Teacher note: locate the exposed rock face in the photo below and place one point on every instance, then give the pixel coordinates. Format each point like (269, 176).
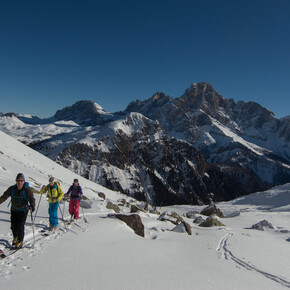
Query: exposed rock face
(133, 221)
(237, 134)
(159, 169)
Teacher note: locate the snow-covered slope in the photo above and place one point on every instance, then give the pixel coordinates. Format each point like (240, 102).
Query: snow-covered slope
(103, 253)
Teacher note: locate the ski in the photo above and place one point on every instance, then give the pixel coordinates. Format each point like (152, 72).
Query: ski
(11, 251)
(45, 234)
(2, 255)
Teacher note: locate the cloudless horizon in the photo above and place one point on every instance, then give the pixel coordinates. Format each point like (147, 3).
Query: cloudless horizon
(55, 53)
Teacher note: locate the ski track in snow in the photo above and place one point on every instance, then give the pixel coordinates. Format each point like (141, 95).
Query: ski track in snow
(225, 253)
(15, 257)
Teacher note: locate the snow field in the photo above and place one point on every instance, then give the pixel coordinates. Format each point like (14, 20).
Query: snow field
(106, 254)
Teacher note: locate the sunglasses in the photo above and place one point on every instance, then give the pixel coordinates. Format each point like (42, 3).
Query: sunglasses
(19, 180)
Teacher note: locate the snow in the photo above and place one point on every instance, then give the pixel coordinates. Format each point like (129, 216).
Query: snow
(104, 253)
(256, 149)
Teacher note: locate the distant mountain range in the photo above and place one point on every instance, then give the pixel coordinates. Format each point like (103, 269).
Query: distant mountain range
(193, 149)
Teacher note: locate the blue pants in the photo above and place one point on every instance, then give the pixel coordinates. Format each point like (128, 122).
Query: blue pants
(52, 211)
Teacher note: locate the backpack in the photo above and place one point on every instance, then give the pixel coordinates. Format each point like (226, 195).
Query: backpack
(19, 198)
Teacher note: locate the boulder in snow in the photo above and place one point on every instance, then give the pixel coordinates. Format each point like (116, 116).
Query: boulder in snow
(183, 227)
(102, 195)
(123, 202)
(154, 211)
(211, 222)
(112, 206)
(133, 221)
(261, 225)
(212, 209)
(171, 216)
(136, 208)
(198, 220)
(191, 214)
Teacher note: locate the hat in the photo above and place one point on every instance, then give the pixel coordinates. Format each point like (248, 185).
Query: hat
(20, 176)
(76, 180)
(51, 179)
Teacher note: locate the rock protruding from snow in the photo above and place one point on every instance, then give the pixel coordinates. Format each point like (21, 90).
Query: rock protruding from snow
(171, 217)
(112, 206)
(183, 227)
(102, 195)
(212, 222)
(191, 214)
(198, 220)
(135, 208)
(212, 209)
(133, 221)
(261, 225)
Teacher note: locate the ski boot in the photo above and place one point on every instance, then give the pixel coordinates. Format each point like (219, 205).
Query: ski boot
(19, 245)
(14, 242)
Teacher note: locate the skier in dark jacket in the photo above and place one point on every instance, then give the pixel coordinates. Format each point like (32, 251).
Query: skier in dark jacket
(76, 193)
(22, 201)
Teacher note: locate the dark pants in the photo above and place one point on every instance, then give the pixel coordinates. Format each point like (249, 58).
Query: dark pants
(18, 219)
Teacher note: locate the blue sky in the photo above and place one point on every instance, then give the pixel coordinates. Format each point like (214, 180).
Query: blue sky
(54, 53)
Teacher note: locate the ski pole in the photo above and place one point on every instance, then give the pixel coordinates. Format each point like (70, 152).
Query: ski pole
(63, 206)
(37, 207)
(32, 224)
(62, 217)
(85, 219)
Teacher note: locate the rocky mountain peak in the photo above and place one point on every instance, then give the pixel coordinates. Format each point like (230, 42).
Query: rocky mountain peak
(202, 96)
(10, 114)
(83, 112)
(201, 88)
(148, 106)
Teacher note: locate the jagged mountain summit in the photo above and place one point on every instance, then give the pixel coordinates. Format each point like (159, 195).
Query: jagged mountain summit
(238, 134)
(84, 113)
(192, 149)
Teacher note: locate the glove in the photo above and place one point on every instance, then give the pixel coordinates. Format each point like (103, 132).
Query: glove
(32, 208)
